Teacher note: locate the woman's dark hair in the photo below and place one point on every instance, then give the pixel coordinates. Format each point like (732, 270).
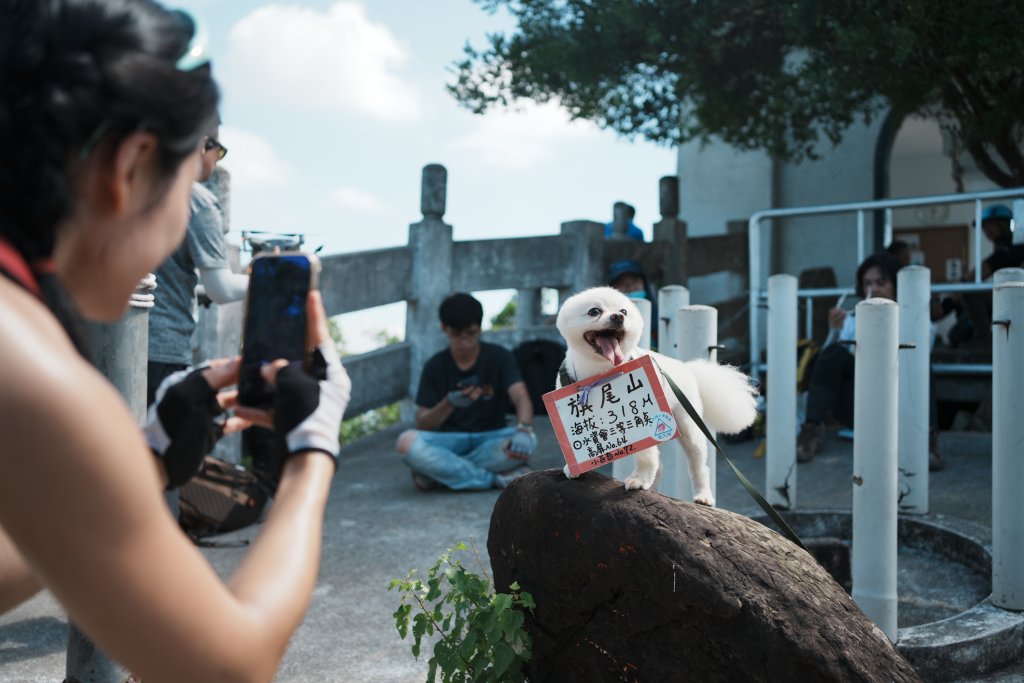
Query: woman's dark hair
(886, 263)
(460, 310)
(76, 78)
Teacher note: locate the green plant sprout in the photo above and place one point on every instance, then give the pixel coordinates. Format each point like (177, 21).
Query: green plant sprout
(480, 632)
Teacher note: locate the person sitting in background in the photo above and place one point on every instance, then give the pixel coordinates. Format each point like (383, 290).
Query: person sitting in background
(997, 224)
(974, 309)
(621, 211)
(461, 440)
(901, 251)
(830, 392)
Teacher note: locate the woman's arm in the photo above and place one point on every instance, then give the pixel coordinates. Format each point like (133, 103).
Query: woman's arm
(16, 581)
(81, 500)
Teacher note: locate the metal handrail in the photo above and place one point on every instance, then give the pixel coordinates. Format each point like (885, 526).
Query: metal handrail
(861, 209)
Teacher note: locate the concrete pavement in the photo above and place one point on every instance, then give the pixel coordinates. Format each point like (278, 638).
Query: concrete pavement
(378, 527)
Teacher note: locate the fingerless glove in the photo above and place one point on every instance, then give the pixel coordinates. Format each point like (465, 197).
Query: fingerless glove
(181, 425)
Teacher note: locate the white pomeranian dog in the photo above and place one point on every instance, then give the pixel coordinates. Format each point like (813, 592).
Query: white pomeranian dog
(601, 327)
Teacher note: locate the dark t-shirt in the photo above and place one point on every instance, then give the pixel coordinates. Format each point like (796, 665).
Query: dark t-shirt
(1006, 254)
(496, 371)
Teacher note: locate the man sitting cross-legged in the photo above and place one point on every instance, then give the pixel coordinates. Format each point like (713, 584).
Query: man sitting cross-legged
(461, 439)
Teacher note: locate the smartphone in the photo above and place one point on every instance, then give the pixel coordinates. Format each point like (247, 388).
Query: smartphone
(275, 319)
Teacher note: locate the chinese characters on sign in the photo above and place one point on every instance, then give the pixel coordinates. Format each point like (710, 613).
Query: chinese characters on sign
(606, 417)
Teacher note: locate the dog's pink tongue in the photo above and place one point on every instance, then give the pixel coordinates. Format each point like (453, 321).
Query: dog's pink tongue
(610, 350)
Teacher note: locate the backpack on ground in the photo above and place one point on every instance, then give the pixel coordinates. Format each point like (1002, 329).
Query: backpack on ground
(221, 497)
(538, 361)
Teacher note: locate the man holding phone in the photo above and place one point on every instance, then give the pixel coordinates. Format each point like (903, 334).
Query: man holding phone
(461, 439)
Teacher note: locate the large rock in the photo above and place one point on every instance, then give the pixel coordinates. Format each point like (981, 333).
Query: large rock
(635, 586)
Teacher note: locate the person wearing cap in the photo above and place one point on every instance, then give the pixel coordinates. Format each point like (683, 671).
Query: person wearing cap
(974, 309)
(997, 224)
(627, 276)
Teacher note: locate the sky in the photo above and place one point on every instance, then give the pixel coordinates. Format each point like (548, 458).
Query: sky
(331, 109)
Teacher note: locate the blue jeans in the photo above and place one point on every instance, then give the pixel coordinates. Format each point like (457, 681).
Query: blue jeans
(462, 461)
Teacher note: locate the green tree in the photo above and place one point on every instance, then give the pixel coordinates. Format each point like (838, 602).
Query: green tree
(784, 77)
(506, 317)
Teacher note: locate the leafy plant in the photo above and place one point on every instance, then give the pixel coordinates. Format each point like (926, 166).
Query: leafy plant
(370, 422)
(480, 635)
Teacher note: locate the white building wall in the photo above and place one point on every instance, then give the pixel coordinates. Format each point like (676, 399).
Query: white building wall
(845, 173)
(718, 184)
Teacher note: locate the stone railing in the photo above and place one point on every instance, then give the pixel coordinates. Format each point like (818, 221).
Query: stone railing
(433, 265)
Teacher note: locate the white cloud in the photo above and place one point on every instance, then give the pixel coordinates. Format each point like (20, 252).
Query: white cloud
(524, 138)
(336, 60)
(252, 161)
(355, 198)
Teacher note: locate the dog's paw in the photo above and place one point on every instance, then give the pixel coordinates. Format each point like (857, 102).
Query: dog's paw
(568, 475)
(705, 499)
(637, 482)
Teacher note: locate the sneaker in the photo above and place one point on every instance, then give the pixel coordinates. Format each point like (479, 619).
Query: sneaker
(935, 461)
(809, 441)
(423, 482)
(505, 478)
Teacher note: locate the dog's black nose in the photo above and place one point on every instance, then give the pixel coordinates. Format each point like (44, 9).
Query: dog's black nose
(616, 319)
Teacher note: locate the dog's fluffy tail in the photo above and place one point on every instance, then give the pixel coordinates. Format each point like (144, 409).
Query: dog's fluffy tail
(727, 394)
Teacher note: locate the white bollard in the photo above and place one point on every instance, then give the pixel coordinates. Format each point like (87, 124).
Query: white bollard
(1007, 436)
(645, 310)
(623, 467)
(780, 430)
(674, 477)
(875, 407)
(1004, 275)
(913, 295)
(697, 337)
(670, 299)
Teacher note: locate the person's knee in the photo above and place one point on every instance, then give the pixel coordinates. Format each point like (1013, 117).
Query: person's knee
(405, 441)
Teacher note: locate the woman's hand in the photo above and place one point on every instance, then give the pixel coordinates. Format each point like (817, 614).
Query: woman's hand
(183, 423)
(308, 404)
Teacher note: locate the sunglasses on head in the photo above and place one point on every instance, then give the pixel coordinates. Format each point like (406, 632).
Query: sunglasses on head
(211, 144)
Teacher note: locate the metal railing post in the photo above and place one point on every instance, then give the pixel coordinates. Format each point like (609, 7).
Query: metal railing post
(875, 462)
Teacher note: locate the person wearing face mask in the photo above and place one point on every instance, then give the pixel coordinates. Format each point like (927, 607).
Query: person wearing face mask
(627, 276)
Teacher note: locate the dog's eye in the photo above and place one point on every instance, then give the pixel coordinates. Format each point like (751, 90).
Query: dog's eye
(594, 312)
(622, 311)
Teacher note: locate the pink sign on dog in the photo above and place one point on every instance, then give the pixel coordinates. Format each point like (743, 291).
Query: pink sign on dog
(606, 417)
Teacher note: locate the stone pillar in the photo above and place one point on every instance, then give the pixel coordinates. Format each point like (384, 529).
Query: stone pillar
(527, 307)
(672, 231)
(586, 268)
(430, 244)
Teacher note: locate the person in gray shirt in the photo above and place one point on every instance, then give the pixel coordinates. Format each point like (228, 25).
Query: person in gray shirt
(201, 258)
